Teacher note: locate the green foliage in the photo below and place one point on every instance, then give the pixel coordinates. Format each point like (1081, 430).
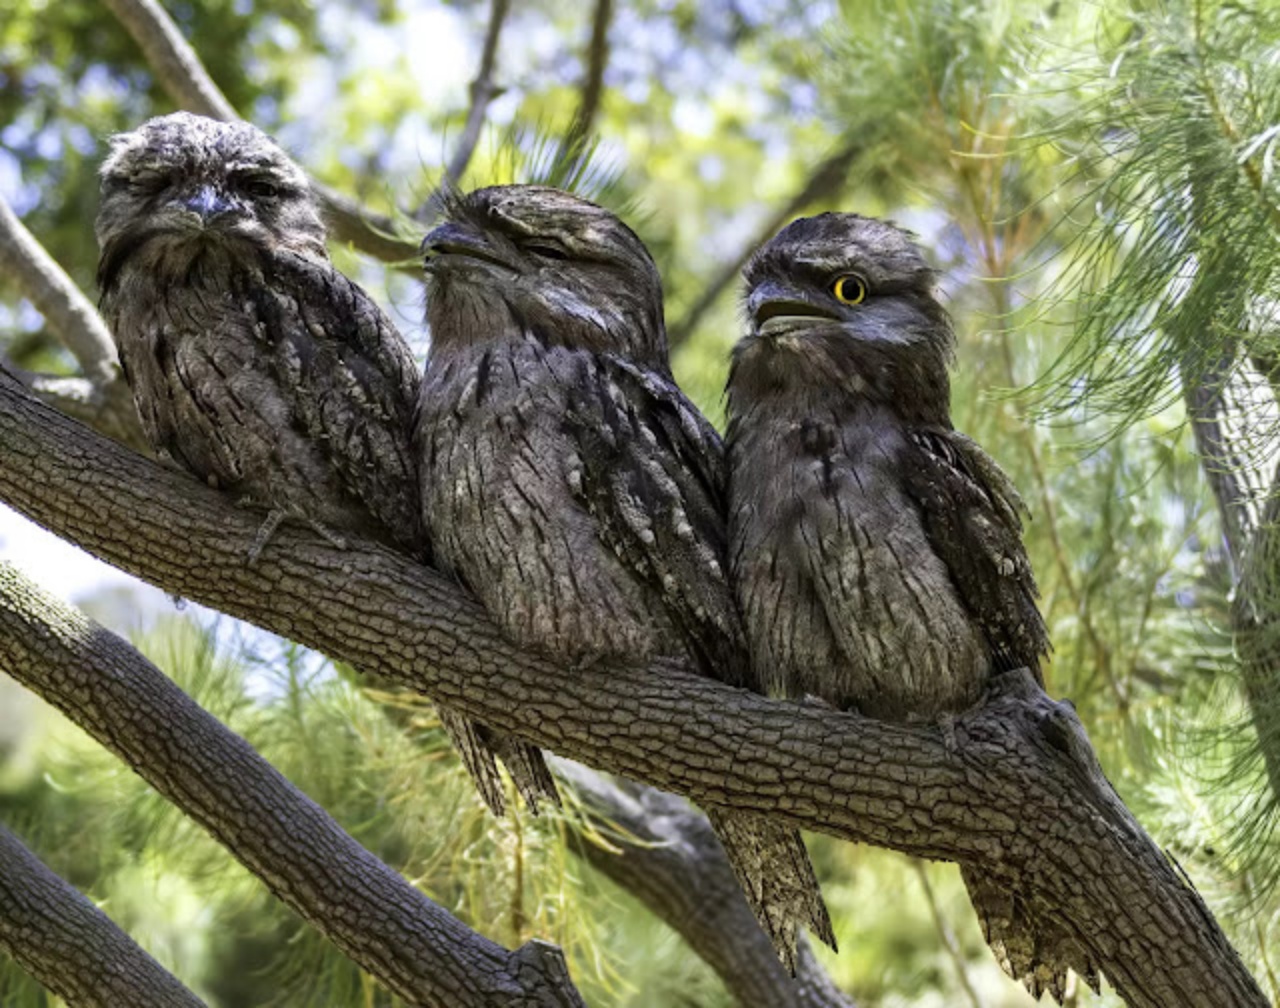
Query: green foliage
(1175, 267)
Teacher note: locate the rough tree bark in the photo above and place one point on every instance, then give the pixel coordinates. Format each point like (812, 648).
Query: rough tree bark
(1251, 531)
(414, 947)
(70, 946)
(1012, 786)
(665, 853)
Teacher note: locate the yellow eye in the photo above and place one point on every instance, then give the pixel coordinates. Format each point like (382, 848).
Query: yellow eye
(849, 289)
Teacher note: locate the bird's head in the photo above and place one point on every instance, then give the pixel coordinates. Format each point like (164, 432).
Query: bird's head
(840, 304)
(182, 184)
(531, 262)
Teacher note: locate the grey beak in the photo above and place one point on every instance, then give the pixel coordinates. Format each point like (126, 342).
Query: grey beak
(771, 298)
(454, 239)
(207, 202)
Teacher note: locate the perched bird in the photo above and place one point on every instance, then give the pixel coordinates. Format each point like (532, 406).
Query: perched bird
(875, 551)
(567, 481)
(252, 360)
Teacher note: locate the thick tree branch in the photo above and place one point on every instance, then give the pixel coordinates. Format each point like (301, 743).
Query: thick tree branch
(110, 411)
(664, 852)
(1251, 529)
(70, 946)
(188, 84)
(415, 948)
(826, 181)
(1221, 462)
(1012, 786)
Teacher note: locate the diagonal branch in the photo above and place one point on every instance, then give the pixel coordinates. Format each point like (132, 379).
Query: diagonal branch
(55, 296)
(414, 947)
(826, 181)
(69, 945)
(483, 91)
(584, 120)
(1012, 786)
(664, 852)
(187, 82)
(102, 396)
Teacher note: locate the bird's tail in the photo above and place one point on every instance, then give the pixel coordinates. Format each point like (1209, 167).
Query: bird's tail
(480, 748)
(1030, 947)
(777, 877)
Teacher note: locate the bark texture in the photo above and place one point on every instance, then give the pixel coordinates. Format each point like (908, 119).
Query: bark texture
(72, 947)
(415, 948)
(1012, 786)
(666, 854)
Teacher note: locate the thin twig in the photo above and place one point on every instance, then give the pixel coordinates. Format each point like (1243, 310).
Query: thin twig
(483, 91)
(100, 396)
(945, 934)
(592, 89)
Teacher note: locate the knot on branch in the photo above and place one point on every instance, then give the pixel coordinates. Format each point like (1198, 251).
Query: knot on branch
(540, 968)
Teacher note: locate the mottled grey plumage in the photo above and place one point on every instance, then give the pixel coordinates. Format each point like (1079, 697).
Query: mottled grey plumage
(569, 483)
(876, 552)
(253, 362)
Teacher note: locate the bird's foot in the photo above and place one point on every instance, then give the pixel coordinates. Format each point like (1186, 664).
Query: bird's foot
(329, 536)
(950, 739)
(265, 531)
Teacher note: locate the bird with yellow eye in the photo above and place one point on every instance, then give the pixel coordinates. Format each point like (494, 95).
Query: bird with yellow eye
(849, 289)
(876, 552)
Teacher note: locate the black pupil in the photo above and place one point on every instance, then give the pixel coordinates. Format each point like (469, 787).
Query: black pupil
(547, 251)
(262, 189)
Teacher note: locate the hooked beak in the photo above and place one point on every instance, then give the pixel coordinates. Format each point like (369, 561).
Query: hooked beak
(774, 307)
(452, 240)
(206, 203)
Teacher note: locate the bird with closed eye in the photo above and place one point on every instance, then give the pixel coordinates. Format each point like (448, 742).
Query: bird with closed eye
(253, 362)
(876, 552)
(569, 483)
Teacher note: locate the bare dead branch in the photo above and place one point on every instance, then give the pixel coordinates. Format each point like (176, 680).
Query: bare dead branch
(1011, 786)
(415, 948)
(187, 82)
(664, 852)
(55, 296)
(173, 61)
(482, 92)
(826, 182)
(102, 396)
(592, 89)
(70, 946)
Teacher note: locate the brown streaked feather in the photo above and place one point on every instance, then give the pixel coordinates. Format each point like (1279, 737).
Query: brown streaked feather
(970, 513)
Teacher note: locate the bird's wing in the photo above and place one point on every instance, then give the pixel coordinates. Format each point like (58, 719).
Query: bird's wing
(653, 476)
(971, 514)
(354, 378)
